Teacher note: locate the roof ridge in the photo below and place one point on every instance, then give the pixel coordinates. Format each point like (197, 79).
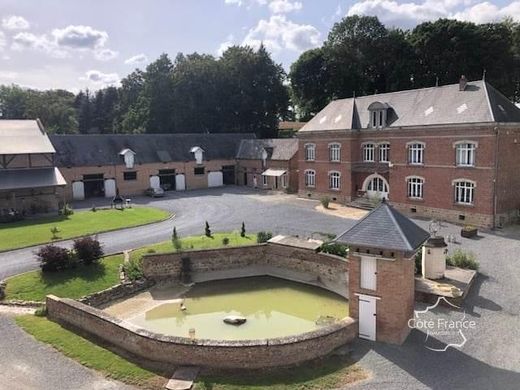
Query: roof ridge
(488, 101)
(391, 211)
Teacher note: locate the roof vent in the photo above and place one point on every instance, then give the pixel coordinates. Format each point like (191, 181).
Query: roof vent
(462, 83)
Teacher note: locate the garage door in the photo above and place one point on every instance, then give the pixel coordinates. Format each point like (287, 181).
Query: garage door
(215, 179)
(78, 190)
(180, 182)
(110, 188)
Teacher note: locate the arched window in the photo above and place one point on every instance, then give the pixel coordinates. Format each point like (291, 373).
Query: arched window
(310, 152)
(384, 152)
(415, 187)
(310, 178)
(335, 152)
(464, 191)
(465, 153)
(416, 152)
(334, 180)
(369, 152)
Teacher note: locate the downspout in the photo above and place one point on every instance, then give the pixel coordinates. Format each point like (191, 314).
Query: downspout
(495, 177)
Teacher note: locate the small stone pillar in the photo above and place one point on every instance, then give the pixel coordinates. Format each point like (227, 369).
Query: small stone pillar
(434, 258)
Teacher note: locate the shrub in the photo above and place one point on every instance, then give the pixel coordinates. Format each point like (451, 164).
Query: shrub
(175, 236)
(177, 244)
(133, 269)
(54, 231)
(462, 259)
(93, 208)
(88, 250)
(207, 230)
(263, 237)
(243, 230)
(53, 258)
(151, 250)
(225, 241)
(325, 202)
(334, 248)
(66, 210)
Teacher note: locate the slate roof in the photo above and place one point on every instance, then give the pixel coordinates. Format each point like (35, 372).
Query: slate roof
(385, 228)
(103, 149)
(30, 178)
(277, 148)
(478, 103)
(23, 136)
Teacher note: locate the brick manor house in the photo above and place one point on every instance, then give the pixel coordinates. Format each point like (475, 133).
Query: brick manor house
(450, 152)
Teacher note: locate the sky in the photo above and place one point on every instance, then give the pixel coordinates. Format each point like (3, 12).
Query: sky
(78, 44)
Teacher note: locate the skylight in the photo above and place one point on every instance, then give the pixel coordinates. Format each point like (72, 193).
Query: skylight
(322, 120)
(337, 119)
(462, 108)
(501, 108)
(428, 111)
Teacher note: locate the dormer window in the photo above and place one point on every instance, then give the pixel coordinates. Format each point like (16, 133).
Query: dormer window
(198, 153)
(129, 157)
(378, 114)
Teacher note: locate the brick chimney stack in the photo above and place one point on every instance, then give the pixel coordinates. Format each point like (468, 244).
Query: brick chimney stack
(462, 83)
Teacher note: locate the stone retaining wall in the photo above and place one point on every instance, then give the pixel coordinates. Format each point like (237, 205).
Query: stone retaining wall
(276, 352)
(116, 292)
(288, 262)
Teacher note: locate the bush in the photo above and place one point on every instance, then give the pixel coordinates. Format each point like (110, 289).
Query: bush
(54, 231)
(133, 269)
(225, 241)
(325, 202)
(462, 259)
(334, 248)
(66, 210)
(263, 237)
(88, 250)
(207, 230)
(53, 258)
(177, 244)
(243, 230)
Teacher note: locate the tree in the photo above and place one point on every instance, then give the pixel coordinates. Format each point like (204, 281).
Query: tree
(12, 102)
(83, 106)
(243, 230)
(207, 230)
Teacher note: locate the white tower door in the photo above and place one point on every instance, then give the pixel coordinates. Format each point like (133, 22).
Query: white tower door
(78, 190)
(369, 273)
(180, 182)
(367, 317)
(155, 182)
(215, 179)
(110, 188)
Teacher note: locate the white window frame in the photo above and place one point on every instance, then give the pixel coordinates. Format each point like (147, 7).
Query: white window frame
(264, 180)
(384, 152)
(416, 152)
(415, 187)
(377, 118)
(369, 152)
(465, 153)
(464, 191)
(334, 180)
(310, 178)
(335, 152)
(310, 152)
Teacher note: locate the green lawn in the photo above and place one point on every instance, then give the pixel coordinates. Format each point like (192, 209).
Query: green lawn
(88, 353)
(327, 374)
(72, 283)
(196, 242)
(38, 231)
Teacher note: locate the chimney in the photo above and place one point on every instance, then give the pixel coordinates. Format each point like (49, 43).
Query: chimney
(462, 83)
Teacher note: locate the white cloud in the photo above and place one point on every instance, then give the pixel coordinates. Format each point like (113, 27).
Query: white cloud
(26, 40)
(80, 37)
(3, 42)
(105, 54)
(284, 6)
(6, 75)
(278, 33)
(137, 59)
(409, 14)
(230, 41)
(14, 22)
(234, 2)
(100, 79)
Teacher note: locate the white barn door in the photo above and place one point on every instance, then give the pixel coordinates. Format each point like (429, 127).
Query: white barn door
(215, 179)
(155, 182)
(78, 190)
(110, 188)
(369, 273)
(367, 317)
(180, 182)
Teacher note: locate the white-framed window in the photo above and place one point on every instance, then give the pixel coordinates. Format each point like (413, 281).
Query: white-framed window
(416, 153)
(335, 152)
(384, 152)
(334, 180)
(415, 187)
(369, 152)
(310, 178)
(377, 118)
(464, 191)
(465, 154)
(264, 180)
(310, 152)
(284, 180)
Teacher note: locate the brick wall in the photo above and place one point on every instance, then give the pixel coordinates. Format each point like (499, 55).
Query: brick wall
(253, 168)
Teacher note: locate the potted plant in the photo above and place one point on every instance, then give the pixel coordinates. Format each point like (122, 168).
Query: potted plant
(469, 231)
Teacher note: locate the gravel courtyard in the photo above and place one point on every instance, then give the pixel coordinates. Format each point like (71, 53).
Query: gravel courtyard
(490, 358)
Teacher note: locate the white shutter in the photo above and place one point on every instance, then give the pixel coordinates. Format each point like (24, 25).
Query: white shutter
(369, 273)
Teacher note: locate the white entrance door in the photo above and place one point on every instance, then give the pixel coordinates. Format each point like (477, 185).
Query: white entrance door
(367, 317)
(369, 273)
(78, 190)
(215, 179)
(110, 188)
(180, 182)
(377, 187)
(155, 182)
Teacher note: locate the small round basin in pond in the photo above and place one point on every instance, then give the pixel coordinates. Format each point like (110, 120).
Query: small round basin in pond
(273, 308)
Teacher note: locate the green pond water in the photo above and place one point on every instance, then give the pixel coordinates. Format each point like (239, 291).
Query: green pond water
(273, 308)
